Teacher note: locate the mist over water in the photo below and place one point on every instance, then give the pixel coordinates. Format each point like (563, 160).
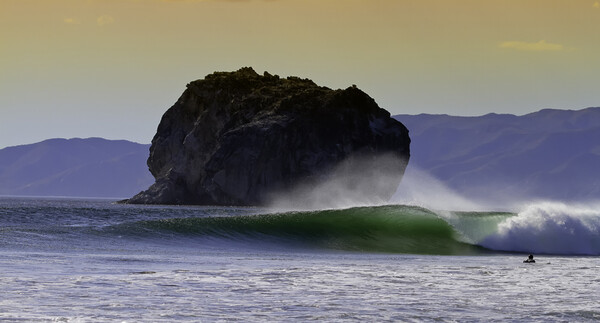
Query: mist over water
(361, 181)
(532, 226)
(357, 181)
(421, 189)
(517, 224)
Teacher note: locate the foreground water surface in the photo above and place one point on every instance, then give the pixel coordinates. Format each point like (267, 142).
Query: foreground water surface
(92, 260)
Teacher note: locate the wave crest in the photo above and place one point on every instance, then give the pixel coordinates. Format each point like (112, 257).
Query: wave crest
(550, 228)
(393, 228)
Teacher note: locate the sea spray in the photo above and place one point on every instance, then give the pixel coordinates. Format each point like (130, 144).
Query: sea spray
(422, 189)
(345, 186)
(550, 228)
(474, 226)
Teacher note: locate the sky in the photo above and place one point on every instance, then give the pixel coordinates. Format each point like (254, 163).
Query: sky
(111, 68)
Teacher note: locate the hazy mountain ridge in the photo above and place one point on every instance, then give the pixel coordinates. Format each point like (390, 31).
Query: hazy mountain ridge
(92, 167)
(546, 154)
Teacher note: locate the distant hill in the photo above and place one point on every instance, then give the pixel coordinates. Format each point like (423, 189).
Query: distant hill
(551, 154)
(92, 167)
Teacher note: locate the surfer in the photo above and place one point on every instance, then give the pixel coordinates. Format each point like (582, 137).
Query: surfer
(529, 259)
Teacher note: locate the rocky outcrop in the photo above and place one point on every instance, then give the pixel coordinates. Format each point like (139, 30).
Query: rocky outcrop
(240, 138)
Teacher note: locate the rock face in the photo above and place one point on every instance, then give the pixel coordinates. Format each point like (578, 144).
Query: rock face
(239, 138)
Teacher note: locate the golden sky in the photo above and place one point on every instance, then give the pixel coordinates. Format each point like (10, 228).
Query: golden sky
(110, 68)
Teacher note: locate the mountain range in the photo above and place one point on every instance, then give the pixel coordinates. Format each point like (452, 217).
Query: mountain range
(549, 154)
(91, 167)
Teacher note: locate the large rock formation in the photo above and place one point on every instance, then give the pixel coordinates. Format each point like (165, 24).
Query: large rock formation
(240, 138)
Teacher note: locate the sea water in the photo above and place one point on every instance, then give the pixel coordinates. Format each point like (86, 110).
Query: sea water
(66, 260)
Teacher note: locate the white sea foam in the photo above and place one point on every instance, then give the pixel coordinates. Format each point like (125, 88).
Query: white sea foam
(550, 227)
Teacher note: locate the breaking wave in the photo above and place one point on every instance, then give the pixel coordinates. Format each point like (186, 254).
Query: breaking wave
(549, 228)
(395, 229)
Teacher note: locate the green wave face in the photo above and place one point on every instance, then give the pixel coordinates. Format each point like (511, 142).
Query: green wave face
(389, 229)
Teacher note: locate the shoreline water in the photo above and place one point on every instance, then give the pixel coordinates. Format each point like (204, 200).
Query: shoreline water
(90, 260)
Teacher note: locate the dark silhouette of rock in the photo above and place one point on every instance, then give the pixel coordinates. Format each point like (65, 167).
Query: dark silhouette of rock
(240, 138)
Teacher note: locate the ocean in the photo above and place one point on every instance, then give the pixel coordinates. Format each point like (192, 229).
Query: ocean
(92, 260)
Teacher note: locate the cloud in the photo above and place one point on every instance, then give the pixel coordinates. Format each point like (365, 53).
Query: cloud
(540, 46)
(71, 21)
(105, 20)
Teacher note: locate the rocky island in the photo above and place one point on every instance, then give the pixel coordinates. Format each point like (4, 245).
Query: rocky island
(241, 138)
